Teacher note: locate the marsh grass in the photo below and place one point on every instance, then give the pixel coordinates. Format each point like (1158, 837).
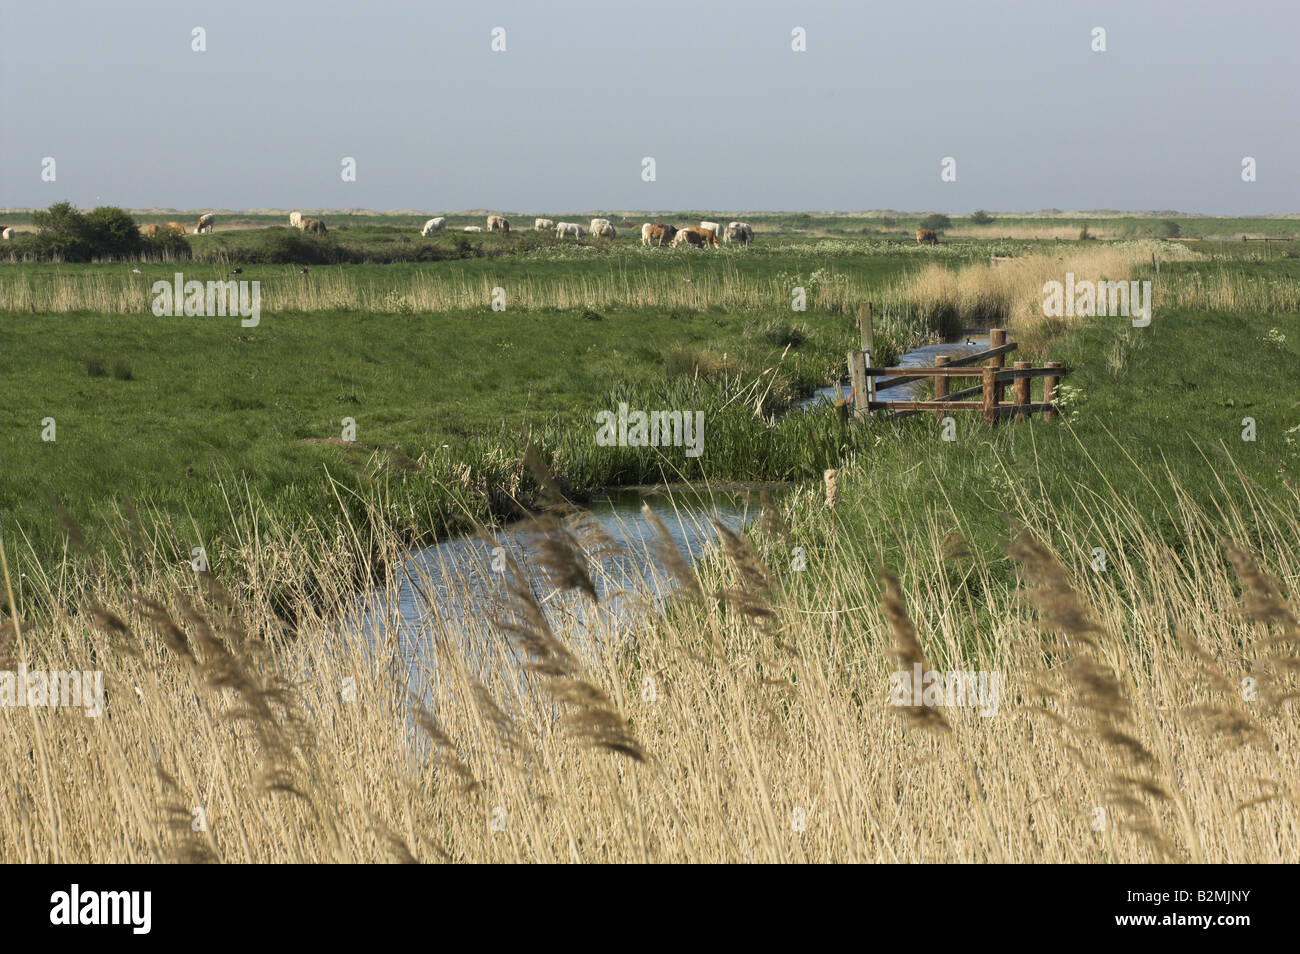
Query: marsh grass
(703, 733)
(1010, 292)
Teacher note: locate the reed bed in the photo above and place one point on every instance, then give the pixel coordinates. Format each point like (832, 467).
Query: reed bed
(1011, 291)
(748, 721)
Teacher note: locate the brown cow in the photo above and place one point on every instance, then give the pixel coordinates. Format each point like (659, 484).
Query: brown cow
(657, 234)
(313, 225)
(926, 236)
(152, 230)
(176, 227)
(698, 237)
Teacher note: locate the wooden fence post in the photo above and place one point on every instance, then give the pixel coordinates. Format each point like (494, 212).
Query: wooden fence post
(1049, 391)
(866, 326)
(940, 383)
(858, 380)
(990, 395)
(997, 338)
(1020, 392)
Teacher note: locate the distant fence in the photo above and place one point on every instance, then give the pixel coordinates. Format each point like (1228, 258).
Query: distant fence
(994, 377)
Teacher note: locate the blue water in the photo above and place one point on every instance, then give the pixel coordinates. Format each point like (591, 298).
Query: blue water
(916, 358)
(445, 596)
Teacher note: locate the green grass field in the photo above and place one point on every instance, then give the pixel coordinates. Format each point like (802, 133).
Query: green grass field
(192, 418)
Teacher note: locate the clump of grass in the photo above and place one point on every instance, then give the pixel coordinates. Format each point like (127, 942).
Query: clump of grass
(122, 370)
(782, 334)
(95, 367)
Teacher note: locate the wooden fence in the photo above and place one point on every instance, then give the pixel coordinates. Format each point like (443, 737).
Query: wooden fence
(994, 377)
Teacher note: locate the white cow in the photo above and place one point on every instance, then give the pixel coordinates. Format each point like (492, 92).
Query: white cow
(569, 228)
(604, 231)
(7, 234)
(498, 223)
(541, 225)
(295, 219)
(738, 232)
(473, 228)
(598, 226)
(206, 223)
(434, 225)
(712, 227)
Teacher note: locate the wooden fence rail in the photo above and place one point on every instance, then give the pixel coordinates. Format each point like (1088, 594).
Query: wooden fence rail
(994, 377)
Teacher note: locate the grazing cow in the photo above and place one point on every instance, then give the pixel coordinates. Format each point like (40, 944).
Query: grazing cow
(498, 223)
(434, 225)
(569, 228)
(738, 232)
(205, 223)
(926, 236)
(295, 219)
(6, 234)
(743, 227)
(657, 233)
(713, 227)
(605, 231)
(541, 225)
(152, 230)
(598, 226)
(176, 227)
(700, 237)
(473, 228)
(314, 225)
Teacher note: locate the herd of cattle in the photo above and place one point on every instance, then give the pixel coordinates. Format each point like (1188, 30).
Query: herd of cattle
(652, 233)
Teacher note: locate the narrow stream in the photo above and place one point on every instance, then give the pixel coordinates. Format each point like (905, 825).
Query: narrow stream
(451, 590)
(958, 347)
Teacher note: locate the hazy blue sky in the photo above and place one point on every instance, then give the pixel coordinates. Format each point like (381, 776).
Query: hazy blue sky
(735, 119)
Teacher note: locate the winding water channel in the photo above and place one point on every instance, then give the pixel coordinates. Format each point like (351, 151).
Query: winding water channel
(449, 591)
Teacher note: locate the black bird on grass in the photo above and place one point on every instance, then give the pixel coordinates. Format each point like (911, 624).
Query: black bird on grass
(302, 271)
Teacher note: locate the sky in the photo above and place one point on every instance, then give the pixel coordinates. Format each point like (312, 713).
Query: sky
(734, 117)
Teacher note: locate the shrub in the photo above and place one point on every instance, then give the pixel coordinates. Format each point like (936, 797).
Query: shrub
(1170, 229)
(69, 234)
(1084, 234)
(980, 217)
(113, 232)
(936, 222)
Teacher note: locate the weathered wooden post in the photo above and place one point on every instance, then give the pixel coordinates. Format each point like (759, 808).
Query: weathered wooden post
(867, 330)
(1020, 392)
(990, 395)
(1049, 391)
(940, 383)
(997, 338)
(866, 327)
(858, 380)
